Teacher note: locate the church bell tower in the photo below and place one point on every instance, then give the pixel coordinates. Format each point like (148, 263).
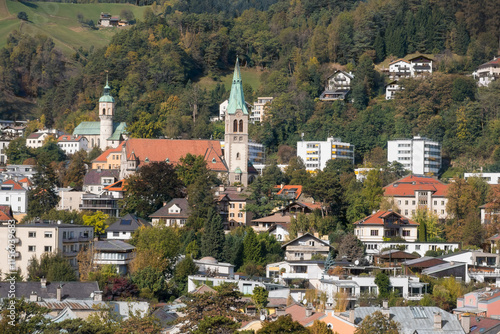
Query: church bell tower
(106, 112)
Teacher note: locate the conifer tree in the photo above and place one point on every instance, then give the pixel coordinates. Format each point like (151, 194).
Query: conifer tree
(213, 239)
(251, 248)
(42, 197)
(379, 46)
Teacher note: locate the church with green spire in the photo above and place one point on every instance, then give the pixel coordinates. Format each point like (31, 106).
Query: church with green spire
(236, 132)
(105, 133)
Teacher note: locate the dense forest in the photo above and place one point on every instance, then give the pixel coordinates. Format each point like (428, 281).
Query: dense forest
(154, 66)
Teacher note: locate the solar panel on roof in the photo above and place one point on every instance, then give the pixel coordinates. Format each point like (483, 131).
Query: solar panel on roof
(125, 222)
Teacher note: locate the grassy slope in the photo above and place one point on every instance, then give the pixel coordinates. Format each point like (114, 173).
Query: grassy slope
(58, 20)
(249, 76)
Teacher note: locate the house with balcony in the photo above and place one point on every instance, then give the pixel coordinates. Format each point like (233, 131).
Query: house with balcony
(260, 108)
(305, 247)
(231, 204)
(484, 302)
(115, 252)
(400, 69)
(174, 213)
(35, 239)
(385, 224)
(414, 192)
(373, 248)
(124, 227)
(96, 179)
(210, 266)
(104, 202)
(420, 65)
(287, 271)
(245, 285)
(391, 89)
(316, 154)
(284, 215)
(337, 87)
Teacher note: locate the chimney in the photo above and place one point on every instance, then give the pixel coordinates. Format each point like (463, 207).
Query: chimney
(385, 304)
(33, 297)
(43, 282)
(437, 321)
(316, 234)
(238, 189)
(280, 311)
(465, 322)
(299, 234)
(221, 188)
(59, 293)
(309, 311)
(352, 317)
(98, 296)
(385, 309)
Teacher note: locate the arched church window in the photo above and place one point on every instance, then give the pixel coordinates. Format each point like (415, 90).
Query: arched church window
(241, 125)
(103, 111)
(92, 142)
(238, 156)
(99, 142)
(235, 126)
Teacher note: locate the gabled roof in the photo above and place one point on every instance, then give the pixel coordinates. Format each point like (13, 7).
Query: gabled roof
(172, 150)
(69, 138)
(420, 261)
(289, 190)
(407, 186)
(378, 218)
(129, 223)
(492, 63)
(298, 313)
(16, 186)
(307, 235)
(340, 71)
(284, 226)
(93, 176)
(274, 218)
(397, 61)
(494, 238)
(395, 254)
(35, 135)
(420, 57)
(103, 157)
(182, 203)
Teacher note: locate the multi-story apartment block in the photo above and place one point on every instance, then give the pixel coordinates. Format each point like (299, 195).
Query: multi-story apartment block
(256, 153)
(337, 86)
(488, 72)
(231, 204)
(315, 154)
(72, 144)
(35, 239)
(259, 109)
(18, 172)
(418, 192)
(420, 155)
(490, 178)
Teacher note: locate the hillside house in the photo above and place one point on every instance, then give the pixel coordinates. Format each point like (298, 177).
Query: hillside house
(385, 224)
(305, 246)
(338, 85)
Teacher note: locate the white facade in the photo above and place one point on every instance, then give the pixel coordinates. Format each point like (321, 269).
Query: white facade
(400, 69)
(259, 109)
(4, 144)
(420, 65)
(391, 90)
(281, 234)
(488, 72)
(222, 109)
(420, 155)
(374, 247)
(36, 140)
(310, 270)
(14, 195)
(490, 178)
(244, 286)
(72, 145)
(315, 154)
(69, 199)
(209, 264)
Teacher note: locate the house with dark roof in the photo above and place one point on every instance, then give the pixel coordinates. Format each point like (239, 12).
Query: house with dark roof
(115, 252)
(231, 204)
(305, 246)
(414, 192)
(417, 265)
(385, 224)
(447, 269)
(36, 139)
(488, 72)
(125, 226)
(174, 213)
(284, 215)
(96, 179)
(337, 87)
(393, 257)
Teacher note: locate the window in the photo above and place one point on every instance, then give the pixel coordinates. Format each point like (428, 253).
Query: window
(406, 202)
(116, 234)
(48, 234)
(374, 232)
(237, 177)
(417, 247)
(31, 248)
(406, 212)
(311, 243)
(47, 249)
(406, 233)
(442, 202)
(235, 126)
(299, 254)
(231, 205)
(399, 202)
(31, 234)
(435, 202)
(231, 215)
(240, 215)
(241, 125)
(412, 202)
(442, 212)
(241, 205)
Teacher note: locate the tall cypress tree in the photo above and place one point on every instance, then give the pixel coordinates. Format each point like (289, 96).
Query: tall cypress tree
(213, 238)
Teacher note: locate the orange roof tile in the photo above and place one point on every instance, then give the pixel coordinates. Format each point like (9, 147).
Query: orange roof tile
(298, 313)
(411, 183)
(5, 217)
(117, 186)
(69, 138)
(104, 155)
(174, 149)
(17, 186)
(292, 189)
(378, 218)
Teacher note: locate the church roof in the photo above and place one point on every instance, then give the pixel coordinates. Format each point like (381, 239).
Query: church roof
(94, 128)
(236, 97)
(106, 97)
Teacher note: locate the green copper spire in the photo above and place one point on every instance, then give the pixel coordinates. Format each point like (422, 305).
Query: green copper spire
(236, 98)
(106, 97)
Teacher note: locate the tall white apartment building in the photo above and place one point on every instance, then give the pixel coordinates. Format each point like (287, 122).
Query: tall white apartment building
(259, 109)
(315, 154)
(420, 155)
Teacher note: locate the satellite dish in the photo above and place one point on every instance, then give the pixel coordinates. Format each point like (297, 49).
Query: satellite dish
(262, 317)
(356, 262)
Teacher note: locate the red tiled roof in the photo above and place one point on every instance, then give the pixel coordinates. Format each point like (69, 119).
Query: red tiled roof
(17, 186)
(175, 149)
(69, 138)
(312, 206)
(480, 324)
(298, 313)
(411, 183)
(495, 237)
(104, 155)
(493, 63)
(5, 217)
(293, 189)
(378, 218)
(35, 135)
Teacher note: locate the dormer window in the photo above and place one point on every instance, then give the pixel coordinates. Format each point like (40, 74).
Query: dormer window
(213, 160)
(147, 159)
(167, 160)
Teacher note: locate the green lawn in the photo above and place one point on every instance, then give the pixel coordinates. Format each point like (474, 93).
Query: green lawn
(249, 76)
(59, 21)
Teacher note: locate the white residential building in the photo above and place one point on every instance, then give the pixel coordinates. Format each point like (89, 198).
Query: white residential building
(391, 89)
(69, 199)
(4, 144)
(385, 224)
(14, 194)
(36, 139)
(337, 87)
(315, 154)
(72, 144)
(375, 247)
(35, 239)
(420, 155)
(210, 265)
(399, 69)
(245, 286)
(420, 65)
(259, 109)
(490, 178)
(488, 72)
